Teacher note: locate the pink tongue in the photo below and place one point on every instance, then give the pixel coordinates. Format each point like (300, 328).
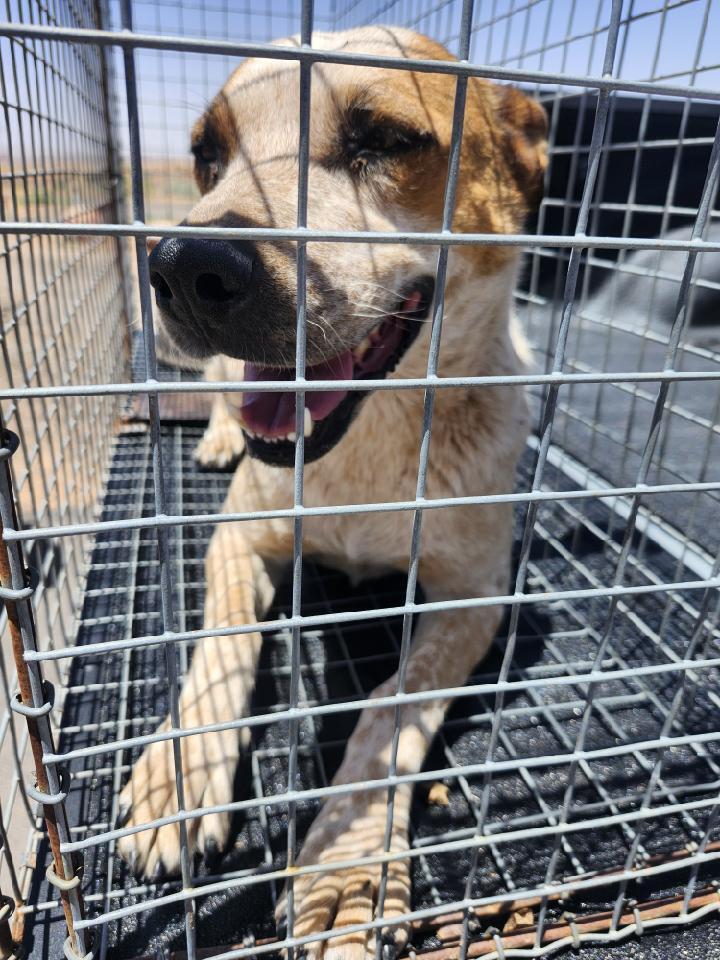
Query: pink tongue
(273, 414)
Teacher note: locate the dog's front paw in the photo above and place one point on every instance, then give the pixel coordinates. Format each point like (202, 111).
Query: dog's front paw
(209, 764)
(347, 828)
(222, 444)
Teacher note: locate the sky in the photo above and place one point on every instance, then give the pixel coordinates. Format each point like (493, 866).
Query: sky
(659, 39)
(550, 35)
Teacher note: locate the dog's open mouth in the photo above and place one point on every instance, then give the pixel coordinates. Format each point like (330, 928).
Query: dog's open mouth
(268, 418)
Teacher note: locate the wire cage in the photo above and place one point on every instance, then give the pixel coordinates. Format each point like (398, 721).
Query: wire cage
(571, 797)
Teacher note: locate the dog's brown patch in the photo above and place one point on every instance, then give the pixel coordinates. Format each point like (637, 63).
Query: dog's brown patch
(213, 141)
(503, 153)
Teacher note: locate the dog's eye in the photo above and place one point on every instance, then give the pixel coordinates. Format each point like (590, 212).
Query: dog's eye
(371, 140)
(207, 162)
(204, 152)
(378, 140)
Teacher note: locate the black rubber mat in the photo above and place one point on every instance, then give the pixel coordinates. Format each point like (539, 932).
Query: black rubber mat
(574, 548)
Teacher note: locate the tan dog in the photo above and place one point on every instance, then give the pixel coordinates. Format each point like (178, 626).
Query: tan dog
(378, 158)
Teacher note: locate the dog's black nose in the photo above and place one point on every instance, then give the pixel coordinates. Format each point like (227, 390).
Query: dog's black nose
(203, 276)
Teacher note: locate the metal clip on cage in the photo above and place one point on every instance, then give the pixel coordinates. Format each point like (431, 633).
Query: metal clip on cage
(34, 702)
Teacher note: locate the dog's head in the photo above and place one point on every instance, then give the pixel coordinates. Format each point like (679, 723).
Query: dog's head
(379, 146)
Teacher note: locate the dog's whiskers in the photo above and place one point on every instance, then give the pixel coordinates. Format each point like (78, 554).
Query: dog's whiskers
(373, 285)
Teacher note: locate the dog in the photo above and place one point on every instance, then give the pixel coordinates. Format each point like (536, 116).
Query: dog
(379, 147)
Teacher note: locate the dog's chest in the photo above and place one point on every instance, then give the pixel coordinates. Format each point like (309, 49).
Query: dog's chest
(361, 545)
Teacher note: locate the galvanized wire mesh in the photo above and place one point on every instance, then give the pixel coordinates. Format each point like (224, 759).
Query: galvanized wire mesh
(597, 713)
(63, 321)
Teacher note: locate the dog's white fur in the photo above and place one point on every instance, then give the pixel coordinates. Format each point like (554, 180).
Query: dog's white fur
(477, 437)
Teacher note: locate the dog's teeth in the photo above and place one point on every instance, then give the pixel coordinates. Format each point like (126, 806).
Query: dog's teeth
(307, 423)
(292, 437)
(362, 348)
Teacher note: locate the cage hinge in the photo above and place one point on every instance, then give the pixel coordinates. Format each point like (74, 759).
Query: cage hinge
(32, 579)
(50, 799)
(72, 954)
(61, 883)
(9, 949)
(23, 633)
(11, 442)
(28, 710)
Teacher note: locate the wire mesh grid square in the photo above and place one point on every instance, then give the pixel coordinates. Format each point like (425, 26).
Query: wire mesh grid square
(587, 785)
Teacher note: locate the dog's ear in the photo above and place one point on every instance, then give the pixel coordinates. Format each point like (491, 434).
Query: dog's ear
(524, 127)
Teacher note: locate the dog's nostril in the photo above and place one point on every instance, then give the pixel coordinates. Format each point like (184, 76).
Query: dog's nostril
(209, 286)
(161, 285)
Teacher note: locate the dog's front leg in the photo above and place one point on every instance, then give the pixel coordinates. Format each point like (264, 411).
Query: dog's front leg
(445, 648)
(223, 443)
(217, 689)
